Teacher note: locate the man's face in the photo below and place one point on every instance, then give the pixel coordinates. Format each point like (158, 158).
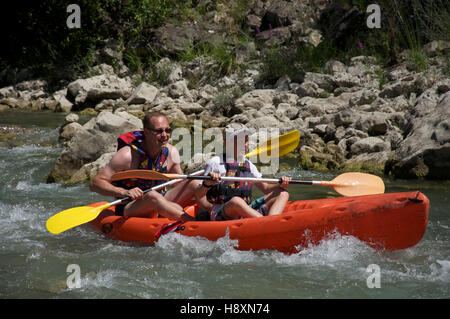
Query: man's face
(159, 133)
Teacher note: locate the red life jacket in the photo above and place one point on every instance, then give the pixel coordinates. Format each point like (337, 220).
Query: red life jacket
(224, 191)
(135, 139)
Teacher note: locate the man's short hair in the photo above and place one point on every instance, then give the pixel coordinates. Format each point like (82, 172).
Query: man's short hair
(147, 121)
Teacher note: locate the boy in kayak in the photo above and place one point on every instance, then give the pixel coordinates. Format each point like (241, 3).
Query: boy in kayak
(232, 200)
(147, 149)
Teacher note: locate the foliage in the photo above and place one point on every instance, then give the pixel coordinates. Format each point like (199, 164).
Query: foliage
(278, 62)
(38, 39)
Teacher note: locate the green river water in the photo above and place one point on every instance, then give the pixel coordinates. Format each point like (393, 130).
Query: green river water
(34, 263)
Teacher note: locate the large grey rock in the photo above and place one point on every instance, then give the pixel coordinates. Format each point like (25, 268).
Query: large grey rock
(173, 39)
(90, 91)
(95, 138)
(7, 92)
(68, 131)
(373, 123)
(255, 99)
(425, 152)
(168, 72)
(144, 93)
(369, 145)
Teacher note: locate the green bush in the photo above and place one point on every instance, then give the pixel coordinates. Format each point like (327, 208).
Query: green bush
(38, 37)
(278, 62)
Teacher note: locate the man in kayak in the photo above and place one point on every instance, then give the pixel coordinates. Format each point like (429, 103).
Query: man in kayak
(232, 200)
(147, 149)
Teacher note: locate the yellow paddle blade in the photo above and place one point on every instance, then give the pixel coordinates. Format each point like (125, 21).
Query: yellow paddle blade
(285, 144)
(356, 184)
(73, 217)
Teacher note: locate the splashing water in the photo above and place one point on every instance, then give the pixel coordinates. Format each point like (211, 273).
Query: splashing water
(34, 263)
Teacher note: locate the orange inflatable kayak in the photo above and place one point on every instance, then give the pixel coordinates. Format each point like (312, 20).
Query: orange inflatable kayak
(386, 221)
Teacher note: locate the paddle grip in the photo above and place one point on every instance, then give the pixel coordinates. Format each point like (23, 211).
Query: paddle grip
(206, 177)
(294, 181)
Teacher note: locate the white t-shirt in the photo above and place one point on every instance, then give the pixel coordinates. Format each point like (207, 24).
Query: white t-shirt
(216, 165)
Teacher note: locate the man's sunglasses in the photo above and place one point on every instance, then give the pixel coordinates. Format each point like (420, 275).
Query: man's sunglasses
(160, 131)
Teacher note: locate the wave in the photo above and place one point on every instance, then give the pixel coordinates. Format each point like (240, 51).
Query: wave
(334, 248)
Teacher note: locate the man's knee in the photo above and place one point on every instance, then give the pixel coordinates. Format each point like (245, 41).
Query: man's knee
(284, 194)
(153, 196)
(236, 202)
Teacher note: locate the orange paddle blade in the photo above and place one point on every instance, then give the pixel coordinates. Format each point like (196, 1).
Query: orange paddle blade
(144, 174)
(355, 184)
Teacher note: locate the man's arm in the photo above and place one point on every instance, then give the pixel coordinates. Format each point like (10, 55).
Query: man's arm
(101, 183)
(173, 166)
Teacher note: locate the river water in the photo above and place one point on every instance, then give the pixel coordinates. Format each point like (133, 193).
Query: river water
(37, 264)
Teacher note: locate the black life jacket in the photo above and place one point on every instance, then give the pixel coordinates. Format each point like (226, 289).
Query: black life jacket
(224, 191)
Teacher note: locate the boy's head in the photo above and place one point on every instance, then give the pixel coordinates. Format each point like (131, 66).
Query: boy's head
(236, 143)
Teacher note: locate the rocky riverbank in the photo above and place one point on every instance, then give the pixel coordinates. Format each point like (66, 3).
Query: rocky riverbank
(353, 116)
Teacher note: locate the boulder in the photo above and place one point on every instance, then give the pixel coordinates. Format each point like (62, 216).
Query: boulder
(369, 145)
(279, 14)
(425, 152)
(286, 111)
(343, 79)
(373, 123)
(89, 170)
(88, 92)
(412, 83)
(72, 117)
(344, 118)
(180, 89)
(255, 99)
(7, 92)
(32, 85)
(334, 67)
(323, 81)
(372, 163)
(308, 88)
(168, 72)
(62, 103)
(67, 131)
(143, 94)
(95, 138)
(172, 39)
(266, 121)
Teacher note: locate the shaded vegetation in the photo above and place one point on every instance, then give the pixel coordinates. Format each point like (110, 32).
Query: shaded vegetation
(39, 40)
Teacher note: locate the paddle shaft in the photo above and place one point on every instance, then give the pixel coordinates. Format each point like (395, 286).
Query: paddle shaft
(255, 179)
(155, 188)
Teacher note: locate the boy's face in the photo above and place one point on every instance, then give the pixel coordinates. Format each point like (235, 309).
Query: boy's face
(236, 146)
(240, 146)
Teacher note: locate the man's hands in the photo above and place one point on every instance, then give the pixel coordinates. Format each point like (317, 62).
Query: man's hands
(134, 193)
(214, 181)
